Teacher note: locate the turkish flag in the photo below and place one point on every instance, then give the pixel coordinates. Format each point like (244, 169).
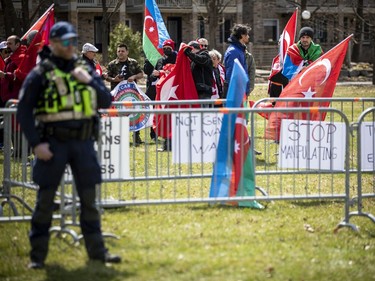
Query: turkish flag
(39, 23)
(318, 80)
(41, 38)
(177, 85)
(285, 41)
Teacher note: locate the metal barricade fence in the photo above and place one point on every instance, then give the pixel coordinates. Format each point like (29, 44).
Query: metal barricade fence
(160, 177)
(365, 160)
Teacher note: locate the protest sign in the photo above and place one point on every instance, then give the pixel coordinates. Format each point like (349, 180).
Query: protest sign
(195, 137)
(367, 146)
(114, 149)
(130, 92)
(312, 145)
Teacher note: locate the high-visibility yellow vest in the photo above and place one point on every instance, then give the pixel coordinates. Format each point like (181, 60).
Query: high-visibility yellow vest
(65, 99)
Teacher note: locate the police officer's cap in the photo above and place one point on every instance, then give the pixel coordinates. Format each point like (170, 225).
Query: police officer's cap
(62, 30)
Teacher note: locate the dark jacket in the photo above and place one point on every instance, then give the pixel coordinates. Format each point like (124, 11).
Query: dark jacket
(236, 50)
(201, 67)
(33, 89)
(91, 63)
(148, 68)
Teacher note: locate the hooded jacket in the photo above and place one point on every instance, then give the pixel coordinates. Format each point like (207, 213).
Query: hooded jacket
(236, 50)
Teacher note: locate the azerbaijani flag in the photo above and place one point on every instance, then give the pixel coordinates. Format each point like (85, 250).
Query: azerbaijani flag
(234, 173)
(154, 32)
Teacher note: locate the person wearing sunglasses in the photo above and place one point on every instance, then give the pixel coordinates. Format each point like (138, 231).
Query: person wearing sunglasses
(62, 95)
(9, 84)
(4, 53)
(203, 42)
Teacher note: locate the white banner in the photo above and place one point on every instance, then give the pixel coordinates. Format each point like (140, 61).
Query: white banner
(367, 146)
(312, 145)
(114, 158)
(195, 137)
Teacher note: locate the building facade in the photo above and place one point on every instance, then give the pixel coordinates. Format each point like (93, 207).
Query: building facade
(187, 20)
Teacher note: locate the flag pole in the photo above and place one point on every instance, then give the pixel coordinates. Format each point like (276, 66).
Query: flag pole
(45, 13)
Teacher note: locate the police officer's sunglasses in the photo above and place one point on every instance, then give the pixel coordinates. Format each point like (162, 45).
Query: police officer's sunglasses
(69, 42)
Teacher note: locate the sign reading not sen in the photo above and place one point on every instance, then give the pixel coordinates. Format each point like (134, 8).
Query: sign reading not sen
(195, 137)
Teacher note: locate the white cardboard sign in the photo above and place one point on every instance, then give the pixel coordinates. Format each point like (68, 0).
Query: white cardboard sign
(195, 137)
(114, 157)
(312, 145)
(367, 146)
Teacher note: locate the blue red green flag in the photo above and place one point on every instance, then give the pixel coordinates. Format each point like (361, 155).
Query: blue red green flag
(154, 32)
(234, 171)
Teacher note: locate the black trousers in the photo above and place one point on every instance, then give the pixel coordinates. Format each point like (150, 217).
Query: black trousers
(47, 174)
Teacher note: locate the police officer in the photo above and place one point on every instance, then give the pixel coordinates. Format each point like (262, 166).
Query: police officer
(57, 110)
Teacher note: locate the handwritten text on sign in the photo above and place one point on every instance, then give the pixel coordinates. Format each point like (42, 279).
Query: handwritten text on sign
(367, 146)
(312, 145)
(114, 156)
(195, 137)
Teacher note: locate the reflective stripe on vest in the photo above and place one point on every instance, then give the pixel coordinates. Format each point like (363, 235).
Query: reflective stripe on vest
(65, 99)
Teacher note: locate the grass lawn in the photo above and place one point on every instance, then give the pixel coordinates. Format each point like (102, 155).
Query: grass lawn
(289, 240)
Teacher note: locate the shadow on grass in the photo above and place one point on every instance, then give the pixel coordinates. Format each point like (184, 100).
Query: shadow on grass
(222, 207)
(93, 271)
(314, 203)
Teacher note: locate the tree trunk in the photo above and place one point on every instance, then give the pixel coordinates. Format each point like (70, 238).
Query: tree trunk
(213, 18)
(12, 25)
(25, 16)
(358, 34)
(105, 31)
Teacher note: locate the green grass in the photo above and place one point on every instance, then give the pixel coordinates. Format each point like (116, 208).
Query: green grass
(289, 240)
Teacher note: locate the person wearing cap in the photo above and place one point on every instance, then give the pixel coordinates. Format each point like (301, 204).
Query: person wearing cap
(236, 50)
(301, 54)
(4, 53)
(201, 68)
(62, 95)
(88, 54)
(153, 75)
(10, 85)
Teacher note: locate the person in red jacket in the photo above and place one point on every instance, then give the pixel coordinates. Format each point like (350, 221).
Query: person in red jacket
(9, 84)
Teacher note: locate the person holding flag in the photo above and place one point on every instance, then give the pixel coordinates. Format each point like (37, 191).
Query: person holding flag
(9, 84)
(155, 73)
(301, 54)
(201, 68)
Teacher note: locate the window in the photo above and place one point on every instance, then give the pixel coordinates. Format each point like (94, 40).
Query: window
(225, 30)
(98, 33)
(128, 23)
(320, 35)
(200, 27)
(270, 30)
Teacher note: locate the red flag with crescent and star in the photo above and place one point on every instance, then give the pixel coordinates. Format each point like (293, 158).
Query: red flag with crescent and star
(285, 41)
(177, 85)
(318, 80)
